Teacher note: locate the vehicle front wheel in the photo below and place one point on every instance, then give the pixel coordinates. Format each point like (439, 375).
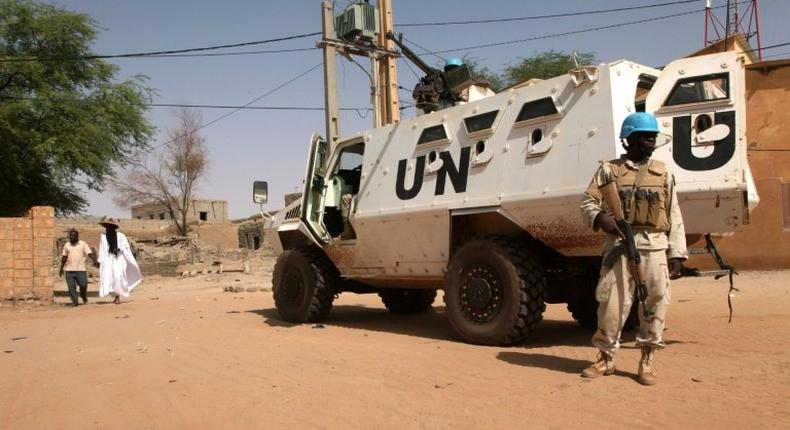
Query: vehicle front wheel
(304, 283)
(494, 291)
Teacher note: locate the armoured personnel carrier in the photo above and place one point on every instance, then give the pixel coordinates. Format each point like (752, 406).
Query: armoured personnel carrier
(481, 199)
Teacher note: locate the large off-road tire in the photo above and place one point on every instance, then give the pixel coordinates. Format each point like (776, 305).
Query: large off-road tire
(585, 312)
(407, 301)
(304, 284)
(494, 291)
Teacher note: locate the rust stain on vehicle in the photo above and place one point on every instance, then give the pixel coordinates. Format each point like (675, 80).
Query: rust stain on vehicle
(565, 236)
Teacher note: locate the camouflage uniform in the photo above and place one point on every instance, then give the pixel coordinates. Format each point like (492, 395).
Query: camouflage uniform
(663, 239)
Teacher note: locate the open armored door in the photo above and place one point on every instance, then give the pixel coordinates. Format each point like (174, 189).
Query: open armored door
(315, 188)
(700, 102)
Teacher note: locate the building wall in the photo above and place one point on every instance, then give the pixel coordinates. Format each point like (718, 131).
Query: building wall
(251, 234)
(26, 255)
(222, 236)
(215, 211)
(765, 242)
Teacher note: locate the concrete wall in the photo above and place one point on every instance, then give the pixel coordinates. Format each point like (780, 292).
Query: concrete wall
(26, 255)
(765, 242)
(214, 211)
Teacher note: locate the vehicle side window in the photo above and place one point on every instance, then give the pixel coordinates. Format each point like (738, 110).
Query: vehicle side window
(433, 134)
(349, 166)
(536, 109)
(700, 89)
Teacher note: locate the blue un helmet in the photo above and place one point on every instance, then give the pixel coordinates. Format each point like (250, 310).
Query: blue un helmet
(639, 121)
(452, 63)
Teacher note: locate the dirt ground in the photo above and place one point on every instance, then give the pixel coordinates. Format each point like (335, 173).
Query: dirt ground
(185, 354)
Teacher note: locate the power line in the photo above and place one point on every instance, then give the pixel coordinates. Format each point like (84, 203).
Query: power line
(173, 53)
(159, 53)
(778, 45)
(227, 54)
(205, 106)
(567, 33)
(221, 117)
(537, 17)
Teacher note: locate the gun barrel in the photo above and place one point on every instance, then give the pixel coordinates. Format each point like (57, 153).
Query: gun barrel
(428, 70)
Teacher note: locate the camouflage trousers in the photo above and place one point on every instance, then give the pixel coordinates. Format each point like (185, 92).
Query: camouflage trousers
(615, 294)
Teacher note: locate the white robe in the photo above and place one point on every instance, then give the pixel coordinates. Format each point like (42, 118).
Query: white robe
(118, 274)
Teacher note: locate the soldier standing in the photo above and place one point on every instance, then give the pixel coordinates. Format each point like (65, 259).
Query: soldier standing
(649, 201)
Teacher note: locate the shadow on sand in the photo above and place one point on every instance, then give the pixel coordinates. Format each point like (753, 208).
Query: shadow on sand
(432, 325)
(552, 362)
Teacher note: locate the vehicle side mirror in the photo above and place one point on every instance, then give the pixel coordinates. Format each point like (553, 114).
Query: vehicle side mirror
(260, 192)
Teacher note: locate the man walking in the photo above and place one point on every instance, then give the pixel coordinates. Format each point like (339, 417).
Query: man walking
(72, 260)
(119, 273)
(648, 198)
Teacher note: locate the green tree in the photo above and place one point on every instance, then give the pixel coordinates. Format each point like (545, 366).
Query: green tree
(544, 65)
(480, 71)
(64, 122)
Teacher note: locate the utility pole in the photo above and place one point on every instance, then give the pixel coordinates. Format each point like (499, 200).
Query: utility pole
(389, 104)
(383, 74)
(330, 75)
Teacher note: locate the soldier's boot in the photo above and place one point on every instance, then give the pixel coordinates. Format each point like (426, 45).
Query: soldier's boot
(603, 367)
(647, 375)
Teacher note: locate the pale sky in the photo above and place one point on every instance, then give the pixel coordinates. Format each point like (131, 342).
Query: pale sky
(271, 145)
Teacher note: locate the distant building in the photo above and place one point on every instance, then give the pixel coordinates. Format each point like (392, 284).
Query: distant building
(212, 211)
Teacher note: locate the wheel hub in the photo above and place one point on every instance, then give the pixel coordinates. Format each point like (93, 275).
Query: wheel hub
(293, 287)
(481, 294)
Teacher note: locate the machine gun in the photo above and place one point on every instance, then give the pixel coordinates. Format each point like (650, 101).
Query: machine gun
(608, 188)
(437, 89)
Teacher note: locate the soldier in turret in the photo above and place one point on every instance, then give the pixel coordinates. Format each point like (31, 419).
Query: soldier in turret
(649, 202)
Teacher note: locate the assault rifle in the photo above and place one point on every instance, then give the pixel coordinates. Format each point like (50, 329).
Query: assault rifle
(608, 188)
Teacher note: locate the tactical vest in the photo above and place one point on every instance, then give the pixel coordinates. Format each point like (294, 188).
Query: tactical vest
(645, 204)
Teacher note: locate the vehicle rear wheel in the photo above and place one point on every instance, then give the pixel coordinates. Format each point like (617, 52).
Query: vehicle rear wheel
(494, 291)
(407, 301)
(304, 283)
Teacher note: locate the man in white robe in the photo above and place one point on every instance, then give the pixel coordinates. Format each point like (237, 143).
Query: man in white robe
(119, 273)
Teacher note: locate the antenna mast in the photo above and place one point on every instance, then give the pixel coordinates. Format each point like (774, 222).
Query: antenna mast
(746, 23)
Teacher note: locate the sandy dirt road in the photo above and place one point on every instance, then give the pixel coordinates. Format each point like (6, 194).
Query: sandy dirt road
(184, 354)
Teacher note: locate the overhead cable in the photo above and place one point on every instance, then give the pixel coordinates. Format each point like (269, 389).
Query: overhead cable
(256, 99)
(174, 53)
(537, 17)
(159, 53)
(567, 33)
(203, 106)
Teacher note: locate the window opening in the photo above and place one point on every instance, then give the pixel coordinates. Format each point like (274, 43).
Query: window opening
(700, 89)
(536, 109)
(203, 216)
(432, 134)
(643, 87)
(481, 122)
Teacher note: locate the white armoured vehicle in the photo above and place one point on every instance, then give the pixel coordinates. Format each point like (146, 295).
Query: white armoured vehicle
(482, 199)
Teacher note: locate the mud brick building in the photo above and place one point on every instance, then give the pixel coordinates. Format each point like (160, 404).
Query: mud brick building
(211, 211)
(26, 256)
